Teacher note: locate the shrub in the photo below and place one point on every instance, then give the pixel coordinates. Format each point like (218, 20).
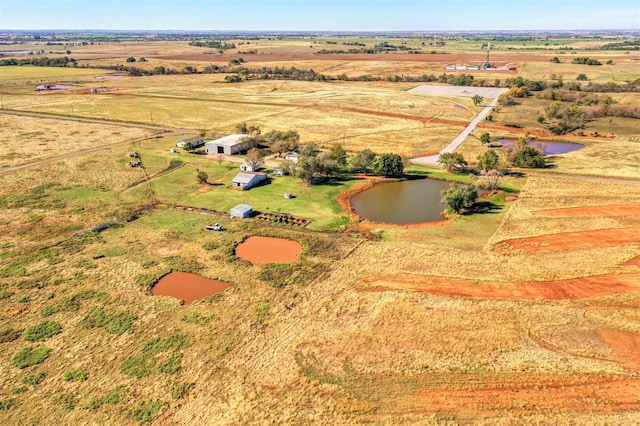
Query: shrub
(9, 335)
(277, 274)
(147, 410)
(117, 395)
(138, 366)
(196, 318)
(93, 404)
(77, 375)
(8, 403)
(68, 401)
(34, 379)
(181, 390)
(42, 331)
(111, 322)
(172, 364)
(30, 356)
(19, 390)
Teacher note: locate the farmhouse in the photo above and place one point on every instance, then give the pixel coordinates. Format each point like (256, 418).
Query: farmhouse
(246, 181)
(229, 145)
(195, 141)
(242, 211)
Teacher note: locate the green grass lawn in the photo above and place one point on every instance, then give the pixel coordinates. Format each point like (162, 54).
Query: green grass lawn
(317, 203)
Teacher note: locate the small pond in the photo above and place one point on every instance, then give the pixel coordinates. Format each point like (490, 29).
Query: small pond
(401, 203)
(548, 148)
(269, 250)
(188, 287)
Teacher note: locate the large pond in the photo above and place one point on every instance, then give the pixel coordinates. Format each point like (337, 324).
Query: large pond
(267, 250)
(401, 203)
(188, 287)
(547, 147)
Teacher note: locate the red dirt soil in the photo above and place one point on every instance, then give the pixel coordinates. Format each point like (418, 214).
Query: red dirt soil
(268, 250)
(188, 287)
(626, 344)
(633, 262)
(602, 211)
(575, 240)
(517, 394)
(570, 289)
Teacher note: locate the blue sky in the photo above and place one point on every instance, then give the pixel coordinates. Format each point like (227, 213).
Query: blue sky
(319, 15)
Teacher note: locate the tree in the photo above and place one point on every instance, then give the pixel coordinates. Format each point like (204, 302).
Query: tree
(339, 155)
(189, 147)
(452, 161)
(131, 59)
(389, 165)
(326, 164)
(254, 158)
(488, 160)
(477, 100)
(490, 179)
(459, 197)
(363, 160)
(202, 177)
(582, 77)
(485, 138)
(524, 155)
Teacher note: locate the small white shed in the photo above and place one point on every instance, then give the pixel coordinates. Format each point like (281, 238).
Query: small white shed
(242, 211)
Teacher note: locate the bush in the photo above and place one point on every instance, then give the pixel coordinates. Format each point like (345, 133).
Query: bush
(181, 390)
(34, 379)
(78, 375)
(277, 274)
(111, 322)
(30, 356)
(42, 331)
(68, 401)
(9, 335)
(147, 410)
(8, 403)
(117, 395)
(138, 366)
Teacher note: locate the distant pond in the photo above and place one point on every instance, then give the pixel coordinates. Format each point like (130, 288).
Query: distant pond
(547, 147)
(401, 203)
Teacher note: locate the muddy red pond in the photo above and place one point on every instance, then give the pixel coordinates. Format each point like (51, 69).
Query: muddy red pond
(188, 287)
(269, 250)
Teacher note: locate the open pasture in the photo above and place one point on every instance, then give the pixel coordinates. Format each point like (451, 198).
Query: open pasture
(29, 139)
(467, 327)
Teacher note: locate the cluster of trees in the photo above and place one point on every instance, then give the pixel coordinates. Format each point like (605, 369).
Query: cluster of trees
(41, 62)
(378, 48)
(586, 61)
(562, 119)
(213, 44)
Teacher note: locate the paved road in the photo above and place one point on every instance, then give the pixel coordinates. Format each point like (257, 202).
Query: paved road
(432, 160)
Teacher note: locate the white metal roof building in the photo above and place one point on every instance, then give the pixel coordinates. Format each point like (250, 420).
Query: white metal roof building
(242, 211)
(229, 145)
(247, 180)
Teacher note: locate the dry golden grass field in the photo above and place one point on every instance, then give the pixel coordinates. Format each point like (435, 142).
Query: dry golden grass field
(525, 314)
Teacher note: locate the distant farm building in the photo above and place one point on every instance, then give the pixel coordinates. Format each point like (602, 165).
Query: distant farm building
(292, 156)
(245, 167)
(242, 211)
(229, 145)
(246, 181)
(196, 141)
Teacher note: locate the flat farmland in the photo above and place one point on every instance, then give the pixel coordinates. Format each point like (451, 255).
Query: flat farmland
(40, 138)
(524, 313)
